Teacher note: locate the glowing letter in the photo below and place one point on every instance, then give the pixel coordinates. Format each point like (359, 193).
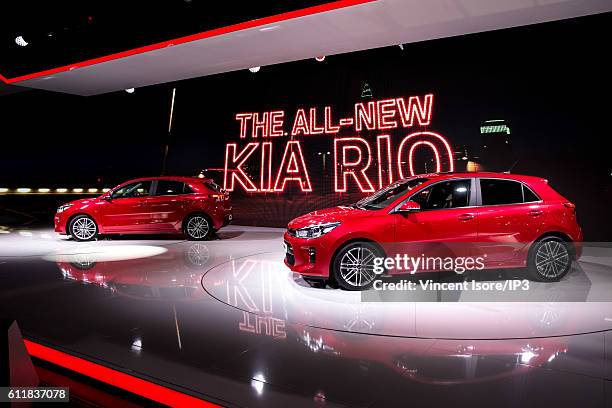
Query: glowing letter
(237, 173)
(300, 124)
(244, 119)
(266, 166)
(276, 123)
(263, 125)
(368, 118)
(314, 129)
(293, 168)
(385, 114)
(329, 128)
(383, 144)
(422, 111)
(353, 168)
(429, 139)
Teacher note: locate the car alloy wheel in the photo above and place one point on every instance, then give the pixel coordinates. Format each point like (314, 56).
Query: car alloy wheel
(550, 260)
(197, 227)
(354, 266)
(83, 228)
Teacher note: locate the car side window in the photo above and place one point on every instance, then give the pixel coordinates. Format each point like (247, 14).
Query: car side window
(446, 194)
(137, 189)
(172, 187)
(498, 191)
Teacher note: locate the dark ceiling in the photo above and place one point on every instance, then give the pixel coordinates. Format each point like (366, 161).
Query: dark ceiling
(65, 32)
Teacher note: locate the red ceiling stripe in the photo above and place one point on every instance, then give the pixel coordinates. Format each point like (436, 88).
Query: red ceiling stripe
(135, 385)
(193, 37)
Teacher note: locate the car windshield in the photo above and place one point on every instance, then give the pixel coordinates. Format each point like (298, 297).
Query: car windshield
(389, 194)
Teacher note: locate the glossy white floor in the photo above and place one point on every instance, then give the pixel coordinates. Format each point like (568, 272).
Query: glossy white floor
(226, 320)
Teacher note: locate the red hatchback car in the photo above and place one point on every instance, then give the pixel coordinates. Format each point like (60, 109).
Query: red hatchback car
(161, 205)
(510, 220)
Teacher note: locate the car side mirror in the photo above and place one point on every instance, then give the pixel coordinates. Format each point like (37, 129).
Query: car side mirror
(408, 206)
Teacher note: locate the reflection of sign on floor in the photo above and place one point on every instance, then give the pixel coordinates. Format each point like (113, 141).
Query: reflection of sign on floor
(269, 326)
(359, 163)
(251, 287)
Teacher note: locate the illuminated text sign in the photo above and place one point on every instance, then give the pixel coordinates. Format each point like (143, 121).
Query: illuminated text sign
(360, 160)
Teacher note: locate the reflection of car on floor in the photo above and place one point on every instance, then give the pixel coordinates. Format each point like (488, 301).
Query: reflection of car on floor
(434, 361)
(172, 275)
(509, 220)
(162, 205)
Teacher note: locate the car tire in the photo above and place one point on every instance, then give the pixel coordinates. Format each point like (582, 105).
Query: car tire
(83, 228)
(198, 227)
(349, 270)
(550, 259)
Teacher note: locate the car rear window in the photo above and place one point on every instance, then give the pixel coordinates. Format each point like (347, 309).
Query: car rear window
(530, 196)
(213, 186)
(497, 191)
(172, 187)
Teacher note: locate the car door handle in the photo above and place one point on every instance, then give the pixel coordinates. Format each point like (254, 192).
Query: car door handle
(535, 213)
(465, 217)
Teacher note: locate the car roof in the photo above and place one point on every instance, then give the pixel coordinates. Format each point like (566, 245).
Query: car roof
(482, 174)
(184, 179)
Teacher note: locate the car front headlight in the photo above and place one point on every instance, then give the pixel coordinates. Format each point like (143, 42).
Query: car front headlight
(316, 230)
(64, 207)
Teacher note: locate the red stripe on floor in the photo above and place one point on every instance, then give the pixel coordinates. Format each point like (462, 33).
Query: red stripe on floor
(135, 385)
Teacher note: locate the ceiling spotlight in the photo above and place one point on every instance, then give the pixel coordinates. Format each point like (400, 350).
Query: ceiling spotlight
(401, 46)
(254, 69)
(320, 58)
(20, 41)
(130, 90)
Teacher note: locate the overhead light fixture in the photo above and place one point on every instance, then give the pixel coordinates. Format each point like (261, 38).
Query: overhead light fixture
(320, 58)
(401, 46)
(20, 41)
(130, 90)
(254, 69)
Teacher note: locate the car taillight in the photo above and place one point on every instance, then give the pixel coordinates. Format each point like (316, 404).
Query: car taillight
(217, 197)
(571, 206)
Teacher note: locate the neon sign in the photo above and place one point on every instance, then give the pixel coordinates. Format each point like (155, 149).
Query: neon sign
(360, 162)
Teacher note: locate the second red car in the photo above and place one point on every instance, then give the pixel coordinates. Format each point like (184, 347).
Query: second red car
(161, 205)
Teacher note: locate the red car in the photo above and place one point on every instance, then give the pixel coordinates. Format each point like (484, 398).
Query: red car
(506, 220)
(161, 205)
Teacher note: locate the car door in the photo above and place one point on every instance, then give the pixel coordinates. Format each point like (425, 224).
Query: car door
(510, 216)
(446, 224)
(167, 204)
(125, 211)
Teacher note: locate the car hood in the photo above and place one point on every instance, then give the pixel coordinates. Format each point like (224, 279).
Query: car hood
(82, 201)
(332, 214)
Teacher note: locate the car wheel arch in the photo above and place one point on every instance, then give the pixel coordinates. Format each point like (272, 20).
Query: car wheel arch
(198, 212)
(555, 234)
(78, 214)
(348, 242)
